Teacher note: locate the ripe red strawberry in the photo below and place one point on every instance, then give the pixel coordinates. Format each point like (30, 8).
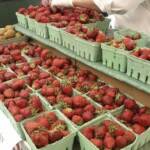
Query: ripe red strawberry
(9, 93)
(40, 139)
(97, 142)
(88, 132)
(107, 100)
(56, 83)
(18, 84)
(78, 111)
(30, 126)
(127, 115)
(77, 120)
(67, 101)
(109, 142)
(3, 87)
(36, 103)
(101, 37)
(90, 108)
(129, 136)
(55, 136)
(43, 121)
(18, 117)
(51, 99)
(24, 93)
(129, 103)
(100, 132)
(138, 128)
(121, 142)
(43, 75)
(58, 63)
(107, 123)
(87, 116)
(26, 112)
(51, 116)
(129, 43)
(67, 89)
(45, 54)
(14, 110)
(21, 103)
(119, 131)
(144, 120)
(50, 91)
(79, 101)
(68, 112)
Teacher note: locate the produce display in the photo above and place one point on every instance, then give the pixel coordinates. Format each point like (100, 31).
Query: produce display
(46, 129)
(108, 135)
(8, 32)
(61, 18)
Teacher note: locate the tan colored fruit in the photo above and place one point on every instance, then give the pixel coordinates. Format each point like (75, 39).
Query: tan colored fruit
(18, 35)
(10, 33)
(2, 31)
(2, 38)
(8, 27)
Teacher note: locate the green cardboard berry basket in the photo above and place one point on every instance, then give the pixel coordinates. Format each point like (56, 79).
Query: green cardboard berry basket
(22, 20)
(87, 145)
(114, 58)
(138, 69)
(123, 32)
(65, 143)
(41, 29)
(16, 125)
(31, 24)
(143, 138)
(54, 34)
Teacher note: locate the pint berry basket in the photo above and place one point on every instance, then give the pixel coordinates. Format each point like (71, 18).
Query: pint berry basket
(22, 20)
(114, 58)
(138, 69)
(31, 24)
(87, 145)
(65, 143)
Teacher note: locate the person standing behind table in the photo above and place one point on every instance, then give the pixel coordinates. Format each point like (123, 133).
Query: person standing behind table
(133, 14)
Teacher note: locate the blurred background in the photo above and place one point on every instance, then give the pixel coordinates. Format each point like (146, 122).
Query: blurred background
(9, 7)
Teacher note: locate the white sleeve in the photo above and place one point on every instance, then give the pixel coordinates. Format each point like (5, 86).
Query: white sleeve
(117, 6)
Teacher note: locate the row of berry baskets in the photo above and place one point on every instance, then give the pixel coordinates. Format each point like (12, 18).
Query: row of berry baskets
(111, 54)
(56, 126)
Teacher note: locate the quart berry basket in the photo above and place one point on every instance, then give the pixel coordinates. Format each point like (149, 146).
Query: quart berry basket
(16, 125)
(31, 24)
(114, 58)
(22, 20)
(87, 145)
(54, 34)
(138, 69)
(143, 138)
(41, 29)
(143, 42)
(65, 143)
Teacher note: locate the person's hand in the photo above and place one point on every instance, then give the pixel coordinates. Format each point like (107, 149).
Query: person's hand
(45, 2)
(61, 3)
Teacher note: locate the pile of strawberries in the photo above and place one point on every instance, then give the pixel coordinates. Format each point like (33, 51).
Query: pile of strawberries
(134, 116)
(11, 53)
(94, 35)
(108, 135)
(6, 75)
(55, 91)
(24, 106)
(61, 18)
(22, 69)
(143, 53)
(46, 129)
(109, 97)
(78, 109)
(38, 78)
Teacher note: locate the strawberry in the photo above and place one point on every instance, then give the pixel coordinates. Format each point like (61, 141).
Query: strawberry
(138, 128)
(40, 139)
(129, 136)
(107, 100)
(50, 91)
(51, 100)
(88, 132)
(67, 101)
(9, 93)
(119, 131)
(144, 120)
(100, 132)
(43, 121)
(68, 112)
(77, 120)
(3, 87)
(44, 54)
(58, 63)
(129, 43)
(79, 101)
(121, 142)
(90, 108)
(129, 103)
(51, 116)
(13, 109)
(55, 136)
(36, 103)
(127, 115)
(18, 117)
(21, 103)
(101, 37)
(107, 123)
(67, 89)
(26, 112)
(97, 142)
(87, 116)
(78, 111)
(18, 84)
(24, 93)
(30, 126)
(43, 75)
(109, 142)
